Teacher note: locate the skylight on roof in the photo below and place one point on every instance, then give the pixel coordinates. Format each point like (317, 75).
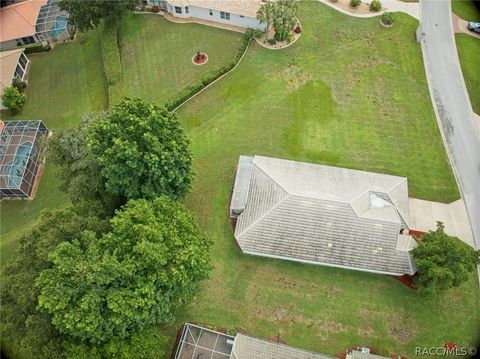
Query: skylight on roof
(377, 202)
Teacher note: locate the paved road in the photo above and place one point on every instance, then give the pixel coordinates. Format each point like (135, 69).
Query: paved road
(460, 131)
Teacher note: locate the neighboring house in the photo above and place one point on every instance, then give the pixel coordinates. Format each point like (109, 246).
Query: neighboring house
(241, 13)
(201, 343)
(322, 215)
(13, 64)
(20, 160)
(31, 22)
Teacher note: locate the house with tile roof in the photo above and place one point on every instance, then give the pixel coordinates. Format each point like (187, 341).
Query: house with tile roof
(239, 13)
(13, 64)
(322, 215)
(31, 22)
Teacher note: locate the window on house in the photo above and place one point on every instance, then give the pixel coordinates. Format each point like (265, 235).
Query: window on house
(178, 9)
(28, 40)
(186, 10)
(210, 12)
(19, 72)
(23, 60)
(242, 16)
(224, 15)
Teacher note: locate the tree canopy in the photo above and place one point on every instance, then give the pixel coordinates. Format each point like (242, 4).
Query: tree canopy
(150, 262)
(266, 13)
(142, 151)
(79, 170)
(13, 99)
(22, 325)
(86, 15)
(443, 262)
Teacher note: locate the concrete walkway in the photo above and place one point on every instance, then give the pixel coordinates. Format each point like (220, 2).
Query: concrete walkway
(453, 110)
(412, 9)
(425, 214)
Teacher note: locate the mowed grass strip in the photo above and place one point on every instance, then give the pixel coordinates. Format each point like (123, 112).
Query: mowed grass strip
(349, 93)
(157, 55)
(466, 9)
(468, 49)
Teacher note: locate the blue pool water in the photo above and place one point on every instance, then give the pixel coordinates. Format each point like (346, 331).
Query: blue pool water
(60, 27)
(14, 170)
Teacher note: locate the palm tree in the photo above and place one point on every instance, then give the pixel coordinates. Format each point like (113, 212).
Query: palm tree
(284, 19)
(266, 14)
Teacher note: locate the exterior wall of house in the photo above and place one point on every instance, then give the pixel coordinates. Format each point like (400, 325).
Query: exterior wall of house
(214, 15)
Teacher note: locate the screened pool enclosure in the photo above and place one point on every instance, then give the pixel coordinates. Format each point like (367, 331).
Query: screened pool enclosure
(52, 23)
(20, 157)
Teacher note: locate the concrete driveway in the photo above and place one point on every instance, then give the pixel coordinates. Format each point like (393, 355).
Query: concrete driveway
(425, 214)
(459, 128)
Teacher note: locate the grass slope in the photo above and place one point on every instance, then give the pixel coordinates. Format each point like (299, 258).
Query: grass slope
(157, 55)
(466, 9)
(468, 49)
(348, 98)
(64, 84)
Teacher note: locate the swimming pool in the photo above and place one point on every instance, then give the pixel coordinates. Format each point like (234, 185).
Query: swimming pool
(15, 169)
(59, 28)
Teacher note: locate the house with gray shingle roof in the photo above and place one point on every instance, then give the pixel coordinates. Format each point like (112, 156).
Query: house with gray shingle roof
(322, 215)
(197, 342)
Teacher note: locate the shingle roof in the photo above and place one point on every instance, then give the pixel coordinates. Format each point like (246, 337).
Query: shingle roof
(247, 347)
(8, 64)
(240, 7)
(325, 215)
(18, 20)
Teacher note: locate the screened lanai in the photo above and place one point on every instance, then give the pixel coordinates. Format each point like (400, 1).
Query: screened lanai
(20, 157)
(52, 23)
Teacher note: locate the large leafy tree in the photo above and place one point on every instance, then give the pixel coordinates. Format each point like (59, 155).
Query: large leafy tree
(443, 262)
(131, 277)
(266, 13)
(86, 15)
(79, 170)
(23, 327)
(142, 150)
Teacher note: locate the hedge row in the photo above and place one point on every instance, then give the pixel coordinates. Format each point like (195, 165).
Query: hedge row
(112, 64)
(34, 48)
(191, 90)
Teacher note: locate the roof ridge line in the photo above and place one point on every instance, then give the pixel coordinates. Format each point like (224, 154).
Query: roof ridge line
(269, 176)
(19, 13)
(265, 214)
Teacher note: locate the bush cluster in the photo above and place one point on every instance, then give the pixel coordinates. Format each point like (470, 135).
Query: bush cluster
(13, 99)
(112, 64)
(191, 90)
(355, 3)
(375, 5)
(387, 18)
(155, 9)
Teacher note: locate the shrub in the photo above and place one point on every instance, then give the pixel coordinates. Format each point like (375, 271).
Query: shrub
(258, 33)
(387, 18)
(34, 48)
(155, 8)
(13, 99)
(112, 64)
(355, 3)
(272, 41)
(375, 5)
(298, 29)
(20, 85)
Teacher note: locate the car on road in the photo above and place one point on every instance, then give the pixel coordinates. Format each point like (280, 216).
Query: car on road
(474, 26)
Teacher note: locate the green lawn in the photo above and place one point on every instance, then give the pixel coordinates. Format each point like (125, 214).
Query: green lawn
(356, 99)
(349, 98)
(157, 55)
(64, 84)
(468, 51)
(466, 9)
